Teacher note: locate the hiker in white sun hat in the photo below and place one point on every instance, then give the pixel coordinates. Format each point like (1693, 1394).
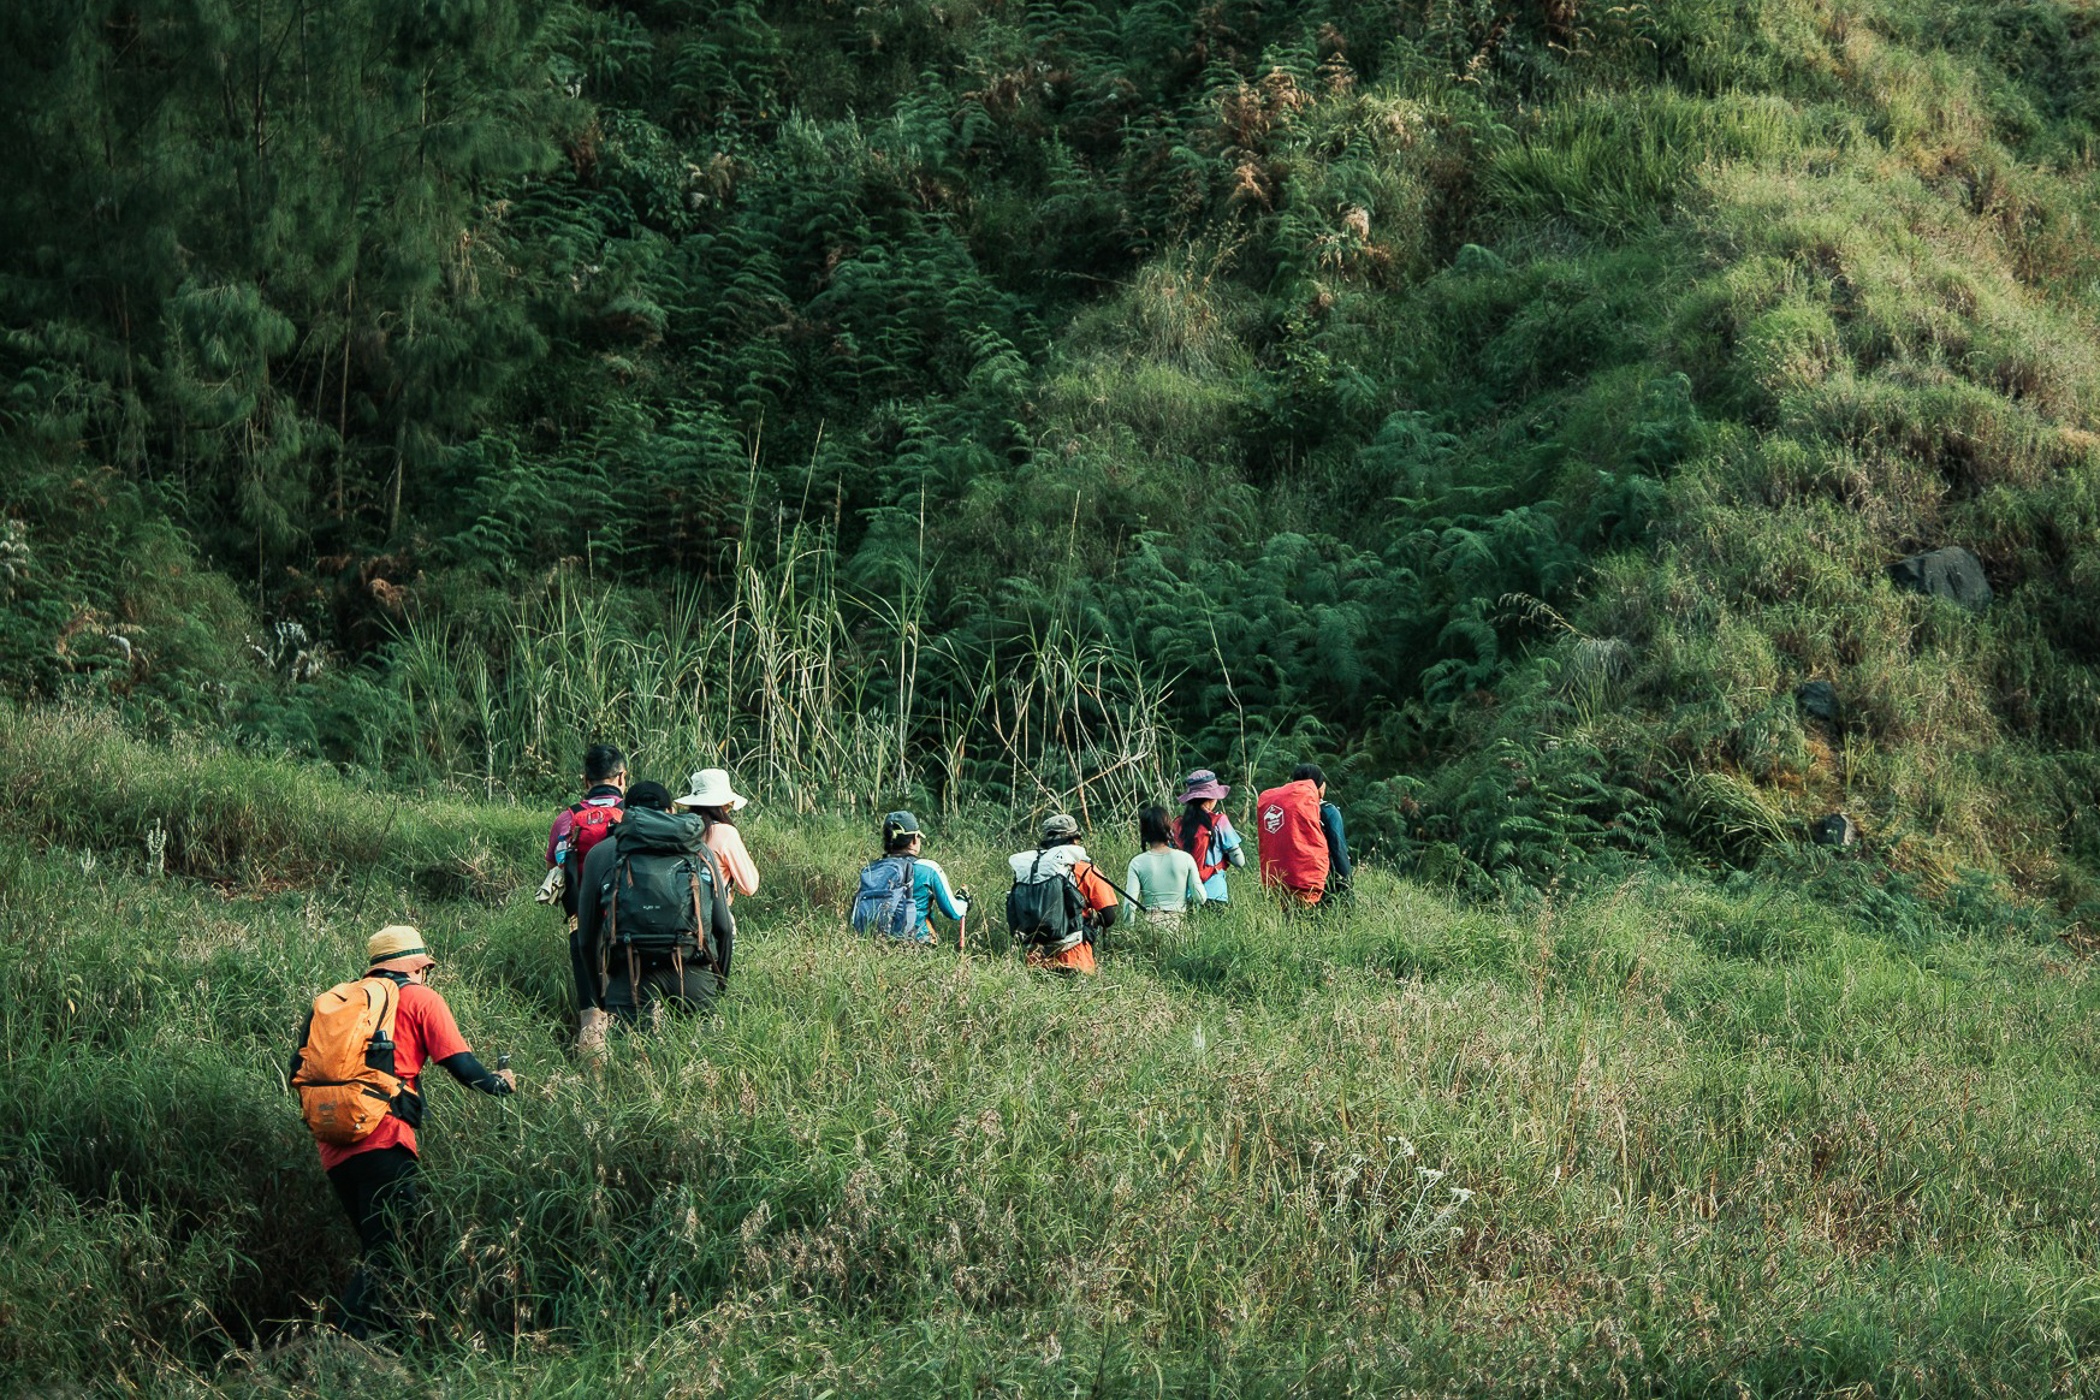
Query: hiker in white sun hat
(713, 798)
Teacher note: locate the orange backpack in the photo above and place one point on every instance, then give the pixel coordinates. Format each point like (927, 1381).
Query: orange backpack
(346, 1078)
(1293, 847)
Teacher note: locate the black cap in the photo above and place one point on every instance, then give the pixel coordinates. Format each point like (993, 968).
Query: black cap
(654, 796)
(898, 824)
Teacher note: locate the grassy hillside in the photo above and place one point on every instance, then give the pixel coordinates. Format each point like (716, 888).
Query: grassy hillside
(1510, 409)
(1665, 1136)
(996, 407)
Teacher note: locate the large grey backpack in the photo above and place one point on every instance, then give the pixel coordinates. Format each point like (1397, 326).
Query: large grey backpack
(1046, 909)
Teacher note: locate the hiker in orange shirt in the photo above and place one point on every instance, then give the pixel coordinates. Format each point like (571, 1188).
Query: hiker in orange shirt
(375, 1175)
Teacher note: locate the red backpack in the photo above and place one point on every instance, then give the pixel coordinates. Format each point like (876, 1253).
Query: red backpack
(1209, 853)
(1293, 847)
(588, 825)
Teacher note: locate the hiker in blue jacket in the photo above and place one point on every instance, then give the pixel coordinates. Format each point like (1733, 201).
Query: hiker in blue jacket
(882, 881)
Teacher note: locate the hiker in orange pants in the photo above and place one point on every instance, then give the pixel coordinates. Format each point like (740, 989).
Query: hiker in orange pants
(1060, 942)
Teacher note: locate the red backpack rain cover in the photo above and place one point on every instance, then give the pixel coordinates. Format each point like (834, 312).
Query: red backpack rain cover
(1293, 848)
(588, 826)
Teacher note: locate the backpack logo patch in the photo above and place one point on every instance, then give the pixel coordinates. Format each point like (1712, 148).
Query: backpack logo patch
(588, 826)
(1272, 818)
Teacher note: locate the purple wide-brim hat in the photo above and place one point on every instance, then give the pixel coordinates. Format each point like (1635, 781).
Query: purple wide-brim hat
(1201, 784)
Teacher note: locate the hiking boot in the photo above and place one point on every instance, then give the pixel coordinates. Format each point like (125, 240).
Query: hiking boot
(591, 1024)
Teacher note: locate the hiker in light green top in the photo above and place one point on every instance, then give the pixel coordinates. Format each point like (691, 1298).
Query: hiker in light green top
(1164, 879)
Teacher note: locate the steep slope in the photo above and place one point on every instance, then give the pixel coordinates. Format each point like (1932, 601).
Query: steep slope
(1510, 409)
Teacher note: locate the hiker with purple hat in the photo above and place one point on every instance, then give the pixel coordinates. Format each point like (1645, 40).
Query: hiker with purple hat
(1206, 833)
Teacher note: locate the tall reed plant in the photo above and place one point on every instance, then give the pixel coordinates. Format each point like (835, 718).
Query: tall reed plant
(817, 694)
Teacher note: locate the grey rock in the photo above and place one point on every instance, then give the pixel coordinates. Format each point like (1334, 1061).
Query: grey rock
(1818, 700)
(1951, 573)
(1837, 829)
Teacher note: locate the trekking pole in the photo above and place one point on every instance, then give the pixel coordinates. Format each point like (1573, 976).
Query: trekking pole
(1101, 934)
(503, 1063)
(364, 886)
(1127, 895)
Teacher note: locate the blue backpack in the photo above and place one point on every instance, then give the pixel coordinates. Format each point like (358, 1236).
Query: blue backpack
(884, 904)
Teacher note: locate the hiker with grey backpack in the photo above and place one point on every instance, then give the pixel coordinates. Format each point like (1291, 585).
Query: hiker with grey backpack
(900, 889)
(651, 924)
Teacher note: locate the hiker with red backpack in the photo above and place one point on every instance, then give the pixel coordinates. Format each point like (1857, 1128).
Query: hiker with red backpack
(1304, 852)
(1207, 834)
(357, 1071)
(578, 828)
(651, 923)
(576, 831)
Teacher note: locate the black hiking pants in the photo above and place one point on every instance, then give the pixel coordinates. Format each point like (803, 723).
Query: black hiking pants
(583, 969)
(659, 982)
(378, 1190)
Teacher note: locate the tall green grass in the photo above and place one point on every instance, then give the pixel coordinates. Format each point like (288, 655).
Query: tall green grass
(1618, 163)
(814, 693)
(194, 808)
(1671, 1136)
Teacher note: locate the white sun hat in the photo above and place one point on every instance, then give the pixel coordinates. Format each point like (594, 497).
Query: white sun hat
(710, 788)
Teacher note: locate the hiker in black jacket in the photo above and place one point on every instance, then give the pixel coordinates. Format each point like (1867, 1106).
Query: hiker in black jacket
(650, 923)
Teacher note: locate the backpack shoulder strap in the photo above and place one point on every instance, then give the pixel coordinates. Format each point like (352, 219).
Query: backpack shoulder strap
(702, 930)
(612, 902)
(408, 1102)
(389, 1005)
(705, 866)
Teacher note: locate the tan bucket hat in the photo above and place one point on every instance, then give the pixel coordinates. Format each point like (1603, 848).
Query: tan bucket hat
(398, 948)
